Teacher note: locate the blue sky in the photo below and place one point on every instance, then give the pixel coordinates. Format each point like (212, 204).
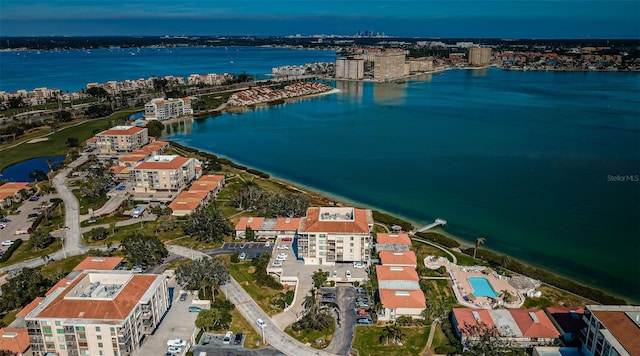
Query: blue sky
(426, 18)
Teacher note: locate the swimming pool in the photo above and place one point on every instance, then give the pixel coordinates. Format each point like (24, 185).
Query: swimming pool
(482, 287)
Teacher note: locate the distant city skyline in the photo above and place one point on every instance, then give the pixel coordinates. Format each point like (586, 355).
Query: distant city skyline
(403, 18)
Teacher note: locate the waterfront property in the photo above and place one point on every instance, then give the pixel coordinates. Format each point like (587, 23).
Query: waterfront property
(96, 313)
(335, 234)
(392, 242)
(481, 287)
(165, 109)
(518, 327)
(164, 174)
(404, 258)
(400, 293)
(121, 139)
(266, 94)
(267, 227)
(611, 330)
(200, 192)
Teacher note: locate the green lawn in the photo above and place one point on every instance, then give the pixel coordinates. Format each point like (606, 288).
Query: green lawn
(87, 203)
(367, 341)
(26, 251)
(310, 336)
(239, 324)
(242, 272)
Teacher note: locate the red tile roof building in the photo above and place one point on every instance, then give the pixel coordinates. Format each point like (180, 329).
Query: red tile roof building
(163, 174)
(393, 242)
(612, 330)
(200, 192)
(10, 193)
(14, 340)
(92, 307)
(267, 227)
(99, 263)
(518, 327)
(121, 139)
(335, 234)
(405, 258)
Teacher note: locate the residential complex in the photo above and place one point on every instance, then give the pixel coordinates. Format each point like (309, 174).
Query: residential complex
(96, 313)
(267, 94)
(398, 242)
(267, 227)
(15, 341)
(201, 191)
(121, 139)
(13, 192)
(165, 109)
(390, 65)
(518, 327)
(479, 56)
(163, 173)
(350, 67)
(335, 234)
(611, 330)
(400, 293)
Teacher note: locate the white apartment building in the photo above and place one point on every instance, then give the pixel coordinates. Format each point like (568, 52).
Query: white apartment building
(97, 313)
(350, 67)
(612, 330)
(335, 234)
(164, 173)
(165, 109)
(121, 139)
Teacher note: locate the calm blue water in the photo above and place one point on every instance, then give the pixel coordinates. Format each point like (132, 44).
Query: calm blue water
(73, 69)
(520, 158)
(482, 288)
(19, 172)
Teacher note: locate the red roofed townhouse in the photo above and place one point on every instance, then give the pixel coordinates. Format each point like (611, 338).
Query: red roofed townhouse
(393, 242)
(611, 330)
(186, 202)
(11, 193)
(97, 312)
(14, 340)
(518, 327)
(267, 227)
(287, 226)
(121, 139)
(397, 303)
(335, 234)
(98, 263)
(248, 221)
(404, 258)
(163, 174)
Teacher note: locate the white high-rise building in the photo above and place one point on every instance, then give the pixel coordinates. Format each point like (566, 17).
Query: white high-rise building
(165, 109)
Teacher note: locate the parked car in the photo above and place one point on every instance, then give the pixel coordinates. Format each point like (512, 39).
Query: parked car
(267, 244)
(277, 264)
(7, 243)
(177, 343)
(283, 247)
(242, 256)
(261, 323)
(174, 350)
(358, 264)
(363, 305)
(183, 297)
(2, 226)
(363, 312)
(282, 254)
(335, 274)
(194, 309)
(243, 245)
(348, 274)
(286, 239)
(227, 338)
(238, 339)
(365, 321)
(328, 296)
(5, 220)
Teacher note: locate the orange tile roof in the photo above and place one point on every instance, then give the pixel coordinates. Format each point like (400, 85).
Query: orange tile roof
(255, 223)
(29, 307)
(130, 131)
(399, 239)
(465, 317)
(282, 224)
(402, 299)
(99, 263)
(118, 169)
(91, 139)
(175, 163)
(177, 205)
(211, 178)
(62, 283)
(390, 273)
(131, 158)
(622, 328)
(398, 258)
(543, 328)
(117, 308)
(4, 195)
(14, 186)
(203, 186)
(14, 340)
(312, 223)
(192, 195)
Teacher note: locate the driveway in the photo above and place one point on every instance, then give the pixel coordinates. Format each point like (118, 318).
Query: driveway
(345, 322)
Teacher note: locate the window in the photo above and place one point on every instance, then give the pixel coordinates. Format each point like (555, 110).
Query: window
(61, 338)
(46, 330)
(48, 338)
(60, 331)
(99, 344)
(58, 323)
(323, 235)
(99, 337)
(97, 328)
(112, 329)
(44, 322)
(351, 238)
(82, 336)
(79, 328)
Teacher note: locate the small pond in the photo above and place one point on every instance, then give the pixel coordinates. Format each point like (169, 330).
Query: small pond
(19, 172)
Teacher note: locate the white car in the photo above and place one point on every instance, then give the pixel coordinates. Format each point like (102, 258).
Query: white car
(174, 350)
(2, 226)
(277, 264)
(267, 244)
(227, 338)
(283, 247)
(348, 274)
(281, 258)
(358, 264)
(7, 243)
(177, 343)
(261, 323)
(282, 254)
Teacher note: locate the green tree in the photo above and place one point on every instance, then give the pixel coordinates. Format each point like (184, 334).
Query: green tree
(320, 278)
(97, 92)
(38, 175)
(21, 289)
(139, 249)
(202, 273)
(154, 128)
(213, 319)
(98, 233)
(479, 241)
(249, 234)
(207, 224)
(72, 142)
(40, 239)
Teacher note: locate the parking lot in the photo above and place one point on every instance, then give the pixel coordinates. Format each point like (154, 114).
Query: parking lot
(251, 249)
(178, 323)
(22, 221)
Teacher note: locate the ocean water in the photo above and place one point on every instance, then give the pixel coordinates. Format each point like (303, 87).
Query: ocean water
(73, 69)
(543, 165)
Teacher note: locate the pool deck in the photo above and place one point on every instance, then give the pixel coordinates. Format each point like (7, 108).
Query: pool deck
(462, 288)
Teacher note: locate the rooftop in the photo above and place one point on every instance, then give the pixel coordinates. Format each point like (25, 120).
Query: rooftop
(99, 263)
(253, 222)
(121, 131)
(393, 239)
(14, 340)
(622, 323)
(391, 273)
(337, 220)
(398, 258)
(402, 298)
(163, 162)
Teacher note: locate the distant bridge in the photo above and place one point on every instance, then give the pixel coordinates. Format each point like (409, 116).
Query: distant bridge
(438, 222)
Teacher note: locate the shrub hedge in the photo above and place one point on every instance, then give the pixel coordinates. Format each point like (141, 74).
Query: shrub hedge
(439, 239)
(391, 220)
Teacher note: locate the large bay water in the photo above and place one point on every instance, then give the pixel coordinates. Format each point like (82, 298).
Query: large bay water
(528, 160)
(541, 164)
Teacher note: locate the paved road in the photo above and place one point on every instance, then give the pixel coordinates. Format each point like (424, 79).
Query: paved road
(251, 311)
(145, 217)
(72, 241)
(343, 334)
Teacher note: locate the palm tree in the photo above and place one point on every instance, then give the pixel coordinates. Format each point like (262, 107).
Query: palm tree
(479, 241)
(386, 332)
